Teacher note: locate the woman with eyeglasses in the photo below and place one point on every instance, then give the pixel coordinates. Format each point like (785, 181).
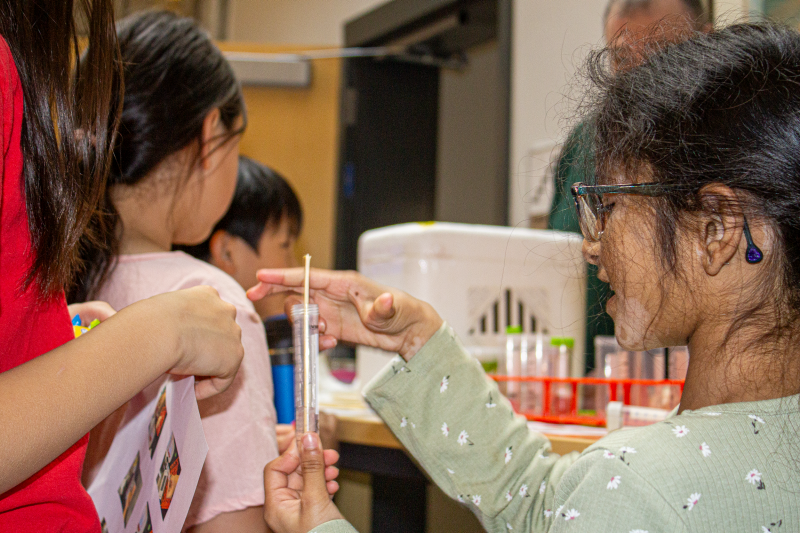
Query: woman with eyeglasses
(694, 220)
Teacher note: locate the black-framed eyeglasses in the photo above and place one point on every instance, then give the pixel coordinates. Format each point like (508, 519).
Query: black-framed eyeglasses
(593, 213)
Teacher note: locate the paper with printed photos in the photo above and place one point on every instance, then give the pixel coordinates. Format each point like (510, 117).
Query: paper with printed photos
(147, 480)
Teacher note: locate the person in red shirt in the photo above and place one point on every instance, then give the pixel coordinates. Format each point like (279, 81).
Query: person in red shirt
(55, 137)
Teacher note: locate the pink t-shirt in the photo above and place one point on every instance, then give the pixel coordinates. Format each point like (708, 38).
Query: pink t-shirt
(239, 423)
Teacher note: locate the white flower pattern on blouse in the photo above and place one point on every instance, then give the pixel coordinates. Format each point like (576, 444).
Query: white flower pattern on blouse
(705, 449)
(403, 422)
(754, 477)
(523, 490)
(614, 483)
(680, 431)
(756, 420)
(509, 496)
(443, 385)
(623, 451)
(508, 526)
(445, 429)
(542, 487)
(398, 370)
(558, 511)
(572, 514)
(490, 404)
(608, 455)
(692, 500)
(463, 438)
(476, 500)
(548, 513)
(507, 455)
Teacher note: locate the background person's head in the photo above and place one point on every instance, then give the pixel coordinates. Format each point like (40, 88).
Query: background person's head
(182, 115)
(629, 24)
(718, 118)
(258, 231)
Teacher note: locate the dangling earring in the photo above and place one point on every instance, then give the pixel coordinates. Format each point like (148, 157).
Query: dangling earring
(753, 254)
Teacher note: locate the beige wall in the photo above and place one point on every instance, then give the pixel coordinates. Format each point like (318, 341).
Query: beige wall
(730, 9)
(550, 42)
(305, 22)
(295, 131)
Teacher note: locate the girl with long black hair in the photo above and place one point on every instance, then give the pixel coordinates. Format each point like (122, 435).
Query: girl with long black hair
(56, 137)
(172, 179)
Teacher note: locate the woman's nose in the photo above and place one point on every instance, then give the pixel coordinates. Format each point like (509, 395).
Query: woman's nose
(591, 251)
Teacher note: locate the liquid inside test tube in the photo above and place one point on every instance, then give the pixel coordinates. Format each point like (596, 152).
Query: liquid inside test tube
(306, 386)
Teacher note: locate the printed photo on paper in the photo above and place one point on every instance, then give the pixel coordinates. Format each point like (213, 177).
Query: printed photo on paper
(157, 421)
(145, 525)
(129, 489)
(168, 476)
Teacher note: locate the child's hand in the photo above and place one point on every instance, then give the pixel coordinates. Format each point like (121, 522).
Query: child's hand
(285, 434)
(206, 340)
(355, 309)
(90, 311)
(298, 491)
(327, 431)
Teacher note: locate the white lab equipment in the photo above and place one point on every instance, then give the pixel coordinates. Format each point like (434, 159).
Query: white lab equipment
(481, 279)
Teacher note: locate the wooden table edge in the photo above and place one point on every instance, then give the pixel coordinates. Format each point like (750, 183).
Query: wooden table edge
(374, 432)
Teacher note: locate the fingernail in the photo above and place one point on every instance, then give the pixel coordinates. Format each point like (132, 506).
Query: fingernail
(310, 441)
(327, 344)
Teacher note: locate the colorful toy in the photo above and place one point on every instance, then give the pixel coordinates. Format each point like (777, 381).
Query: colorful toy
(80, 329)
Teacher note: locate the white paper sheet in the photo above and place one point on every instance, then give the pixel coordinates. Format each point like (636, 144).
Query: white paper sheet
(148, 478)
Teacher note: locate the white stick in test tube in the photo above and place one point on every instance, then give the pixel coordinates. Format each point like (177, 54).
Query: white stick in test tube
(307, 407)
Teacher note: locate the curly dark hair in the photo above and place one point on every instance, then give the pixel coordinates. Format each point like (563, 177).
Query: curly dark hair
(722, 107)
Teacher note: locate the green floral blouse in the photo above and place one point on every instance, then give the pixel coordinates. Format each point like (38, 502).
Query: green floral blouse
(726, 468)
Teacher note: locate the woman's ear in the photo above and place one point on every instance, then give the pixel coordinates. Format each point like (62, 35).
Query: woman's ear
(721, 226)
(219, 246)
(211, 126)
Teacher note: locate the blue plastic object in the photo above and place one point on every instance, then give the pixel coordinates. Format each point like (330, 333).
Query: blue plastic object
(281, 353)
(283, 383)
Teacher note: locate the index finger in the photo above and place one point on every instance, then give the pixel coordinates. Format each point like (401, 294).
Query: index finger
(294, 278)
(277, 280)
(256, 292)
(92, 310)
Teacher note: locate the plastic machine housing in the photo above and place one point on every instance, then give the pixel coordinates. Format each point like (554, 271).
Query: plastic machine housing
(481, 279)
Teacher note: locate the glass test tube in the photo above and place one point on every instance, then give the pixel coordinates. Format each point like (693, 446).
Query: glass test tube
(306, 375)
